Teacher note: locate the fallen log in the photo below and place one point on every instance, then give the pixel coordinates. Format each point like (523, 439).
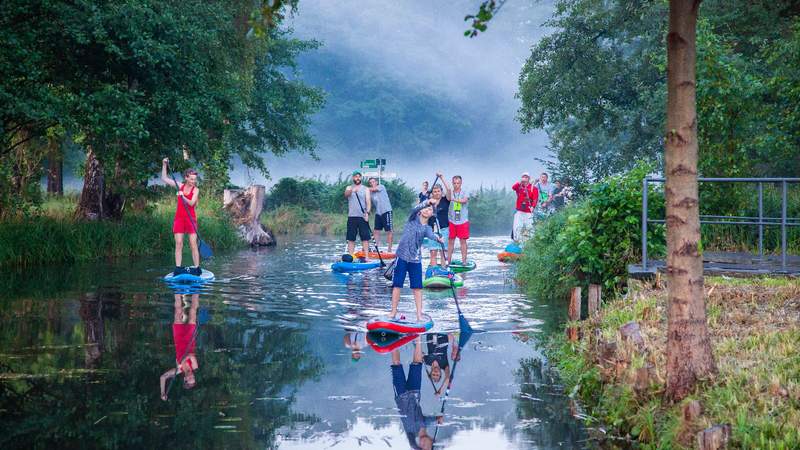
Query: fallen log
(245, 207)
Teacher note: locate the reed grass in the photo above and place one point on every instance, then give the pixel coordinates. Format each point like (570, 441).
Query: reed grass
(54, 236)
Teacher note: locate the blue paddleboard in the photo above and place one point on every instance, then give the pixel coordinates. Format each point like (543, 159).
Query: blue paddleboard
(341, 266)
(187, 278)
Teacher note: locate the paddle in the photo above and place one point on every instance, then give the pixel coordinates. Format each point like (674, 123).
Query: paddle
(202, 317)
(205, 250)
(371, 234)
(463, 324)
(464, 336)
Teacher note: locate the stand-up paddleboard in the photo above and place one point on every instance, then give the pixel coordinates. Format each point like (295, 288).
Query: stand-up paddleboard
(344, 267)
(513, 248)
(374, 255)
(386, 342)
(187, 278)
(442, 282)
(508, 256)
(400, 324)
(458, 266)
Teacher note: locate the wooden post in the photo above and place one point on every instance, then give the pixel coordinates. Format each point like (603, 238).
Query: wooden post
(714, 438)
(574, 313)
(594, 299)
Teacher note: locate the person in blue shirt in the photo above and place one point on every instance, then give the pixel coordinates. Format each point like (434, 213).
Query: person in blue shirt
(408, 255)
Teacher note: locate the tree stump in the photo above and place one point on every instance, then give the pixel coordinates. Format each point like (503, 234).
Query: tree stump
(593, 304)
(714, 438)
(245, 207)
(631, 333)
(574, 312)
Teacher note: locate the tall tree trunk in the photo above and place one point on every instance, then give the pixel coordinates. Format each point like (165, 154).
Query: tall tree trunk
(55, 168)
(689, 356)
(90, 205)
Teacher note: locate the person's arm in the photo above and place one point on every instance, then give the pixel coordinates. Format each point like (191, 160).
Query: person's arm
(348, 190)
(163, 381)
(415, 210)
(515, 187)
(194, 199)
(369, 205)
(164, 176)
(448, 191)
(534, 196)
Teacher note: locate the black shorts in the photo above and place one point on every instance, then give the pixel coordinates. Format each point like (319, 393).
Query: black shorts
(357, 226)
(383, 221)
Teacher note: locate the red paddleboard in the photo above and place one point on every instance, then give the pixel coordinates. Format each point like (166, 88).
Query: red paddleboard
(400, 324)
(386, 342)
(374, 255)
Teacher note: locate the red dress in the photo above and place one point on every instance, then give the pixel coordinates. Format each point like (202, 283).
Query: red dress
(182, 223)
(184, 338)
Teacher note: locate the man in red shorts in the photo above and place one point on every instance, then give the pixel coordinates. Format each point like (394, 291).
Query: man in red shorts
(458, 216)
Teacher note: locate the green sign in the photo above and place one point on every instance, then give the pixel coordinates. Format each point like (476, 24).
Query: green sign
(369, 164)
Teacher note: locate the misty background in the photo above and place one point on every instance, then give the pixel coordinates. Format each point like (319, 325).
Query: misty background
(405, 84)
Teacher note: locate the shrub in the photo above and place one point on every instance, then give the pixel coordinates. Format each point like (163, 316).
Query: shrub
(593, 240)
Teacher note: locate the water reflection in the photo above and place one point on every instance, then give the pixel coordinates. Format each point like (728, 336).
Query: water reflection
(279, 357)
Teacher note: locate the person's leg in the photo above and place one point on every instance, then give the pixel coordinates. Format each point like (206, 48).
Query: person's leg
(389, 227)
(363, 232)
(389, 238)
(377, 233)
(178, 249)
(351, 247)
(352, 231)
(463, 243)
(398, 374)
(415, 275)
(450, 246)
(398, 278)
(195, 250)
(365, 248)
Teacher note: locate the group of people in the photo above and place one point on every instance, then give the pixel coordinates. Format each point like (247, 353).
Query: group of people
(535, 200)
(440, 217)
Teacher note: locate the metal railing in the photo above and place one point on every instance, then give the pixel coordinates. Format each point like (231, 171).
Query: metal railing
(783, 221)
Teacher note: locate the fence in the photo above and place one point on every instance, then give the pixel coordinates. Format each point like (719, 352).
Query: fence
(783, 221)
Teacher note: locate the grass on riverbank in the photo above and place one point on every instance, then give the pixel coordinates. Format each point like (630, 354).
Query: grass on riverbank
(299, 220)
(54, 236)
(755, 335)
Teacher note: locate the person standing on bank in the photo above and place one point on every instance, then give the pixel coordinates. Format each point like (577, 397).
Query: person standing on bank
(185, 221)
(458, 216)
(527, 197)
(383, 212)
(545, 194)
(358, 206)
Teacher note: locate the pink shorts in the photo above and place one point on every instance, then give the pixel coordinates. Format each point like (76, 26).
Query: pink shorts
(459, 231)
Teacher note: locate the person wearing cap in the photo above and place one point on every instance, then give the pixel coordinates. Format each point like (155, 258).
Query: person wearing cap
(383, 212)
(527, 197)
(358, 206)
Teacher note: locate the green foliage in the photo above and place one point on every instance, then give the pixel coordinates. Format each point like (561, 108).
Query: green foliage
(136, 82)
(491, 210)
(46, 239)
(746, 87)
(593, 240)
(316, 194)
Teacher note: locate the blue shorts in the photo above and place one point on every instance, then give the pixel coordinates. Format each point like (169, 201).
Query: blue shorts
(414, 271)
(401, 384)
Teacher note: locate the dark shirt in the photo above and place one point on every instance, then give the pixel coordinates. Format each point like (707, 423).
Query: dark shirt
(437, 350)
(423, 196)
(441, 214)
(558, 202)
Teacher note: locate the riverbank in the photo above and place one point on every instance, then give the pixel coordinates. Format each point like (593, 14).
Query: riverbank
(53, 235)
(755, 336)
(300, 220)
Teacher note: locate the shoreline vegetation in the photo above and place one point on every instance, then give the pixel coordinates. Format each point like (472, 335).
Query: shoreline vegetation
(620, 380)
(54, 235)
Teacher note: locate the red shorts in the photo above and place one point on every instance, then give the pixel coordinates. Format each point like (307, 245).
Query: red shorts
(459, 231)
(182, 224)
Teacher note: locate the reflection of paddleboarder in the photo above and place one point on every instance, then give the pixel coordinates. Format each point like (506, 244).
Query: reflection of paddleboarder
(184, 335)
(355, 341)
(406, 396)
(436, 358)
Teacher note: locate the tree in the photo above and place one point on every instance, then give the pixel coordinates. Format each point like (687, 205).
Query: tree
(689, 355)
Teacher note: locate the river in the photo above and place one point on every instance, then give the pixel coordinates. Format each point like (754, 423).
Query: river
(280, 354)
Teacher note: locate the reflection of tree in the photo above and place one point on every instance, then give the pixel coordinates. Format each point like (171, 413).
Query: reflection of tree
(119, 405)
(542, 408)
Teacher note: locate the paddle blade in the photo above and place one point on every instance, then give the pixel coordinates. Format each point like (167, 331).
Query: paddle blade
(205, 250)
(465, 331)
(203, 316)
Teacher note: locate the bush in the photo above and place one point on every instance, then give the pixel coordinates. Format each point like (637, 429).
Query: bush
(314, 194)
(593, 240)
(491, 211)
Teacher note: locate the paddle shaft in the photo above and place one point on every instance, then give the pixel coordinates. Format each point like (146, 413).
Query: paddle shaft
(447, 390)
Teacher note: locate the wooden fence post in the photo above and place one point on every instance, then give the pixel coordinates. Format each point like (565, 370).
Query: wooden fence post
(574, 313)
(594, 299)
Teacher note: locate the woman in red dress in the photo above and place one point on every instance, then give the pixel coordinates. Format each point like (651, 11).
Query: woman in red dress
(185, 218)
(184, 336)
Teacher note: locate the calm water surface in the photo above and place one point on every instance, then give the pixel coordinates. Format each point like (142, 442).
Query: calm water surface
(282, 359)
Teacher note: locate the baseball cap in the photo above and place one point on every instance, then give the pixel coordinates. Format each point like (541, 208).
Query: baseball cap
(525, 174)
(355, 172)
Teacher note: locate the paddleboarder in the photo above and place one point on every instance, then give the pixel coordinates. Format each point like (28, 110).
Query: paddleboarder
(527, 197)
(458, 217)
(409, 259)
(439, 223)
(185, 221)
(358, 206)
(383, 212)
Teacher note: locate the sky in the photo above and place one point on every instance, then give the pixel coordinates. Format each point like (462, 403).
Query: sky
(422, 44)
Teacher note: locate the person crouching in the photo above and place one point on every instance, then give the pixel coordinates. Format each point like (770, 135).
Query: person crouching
(408, 255)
